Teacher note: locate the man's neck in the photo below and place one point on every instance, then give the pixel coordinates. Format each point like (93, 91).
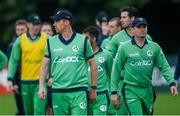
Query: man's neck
(140, 41)
(67, 34)
(130, 32)
(33, 35)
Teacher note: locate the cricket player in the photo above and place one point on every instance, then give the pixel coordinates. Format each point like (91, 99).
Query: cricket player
(28, 50)
(68, 54)
(138, 57)
(104, 61)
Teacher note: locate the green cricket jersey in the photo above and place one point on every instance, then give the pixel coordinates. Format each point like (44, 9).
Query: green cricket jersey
(138, 63)
(3, 60)
(119, 38)
(104, 61)
(68, 60)
(105, 44)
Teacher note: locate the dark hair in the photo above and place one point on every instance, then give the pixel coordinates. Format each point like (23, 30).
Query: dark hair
(20, 22)
(117, 19)
(132, 11)
(93, 31)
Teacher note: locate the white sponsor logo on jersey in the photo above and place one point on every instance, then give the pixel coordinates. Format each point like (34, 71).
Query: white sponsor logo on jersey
(141, 63)
(66, 59)
(149, 53)
(75, 48)
(101, 59)
(82, 105)
(57, 49)
(103, 108)
(134, 54)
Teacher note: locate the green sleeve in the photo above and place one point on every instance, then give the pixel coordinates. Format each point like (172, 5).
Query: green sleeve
(88, 50)
(117, 68)
(3, 60)
(14, 58)
(149, 37)
(164, 67)
(109, 64)
(113, 45)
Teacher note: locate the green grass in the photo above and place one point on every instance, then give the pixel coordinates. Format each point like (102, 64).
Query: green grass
(7, 105)
(165, 105)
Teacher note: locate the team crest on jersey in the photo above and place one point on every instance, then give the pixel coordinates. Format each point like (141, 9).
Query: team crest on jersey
(103, 108)
(82, 105)
(149, 53)
(75, 48)
(101, 59)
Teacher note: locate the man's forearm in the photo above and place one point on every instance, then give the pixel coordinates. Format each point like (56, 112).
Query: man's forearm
(44, 71)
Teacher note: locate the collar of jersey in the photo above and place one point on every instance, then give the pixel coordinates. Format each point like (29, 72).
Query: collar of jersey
(127, 33)
(134, 42)
(68, 41)
(29, 36)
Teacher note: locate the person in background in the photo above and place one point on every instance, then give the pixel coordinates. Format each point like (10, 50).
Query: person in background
(20, 28)
(47, 28)
(104, 61)
(29, 49)
(102, 20)
(114, 27)
(177, 70)
(3, 60)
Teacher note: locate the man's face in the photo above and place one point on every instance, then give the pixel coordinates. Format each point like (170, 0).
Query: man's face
(125, 19)
(140, 31)
(20, 29)
(113, 27)
(60, 25)
(47, 29)
(35, 28)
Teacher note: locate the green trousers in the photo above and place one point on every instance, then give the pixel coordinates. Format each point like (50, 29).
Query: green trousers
(70, 103)
(33, 105)
(139, 100)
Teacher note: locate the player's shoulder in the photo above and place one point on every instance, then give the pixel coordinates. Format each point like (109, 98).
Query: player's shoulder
(79, 35)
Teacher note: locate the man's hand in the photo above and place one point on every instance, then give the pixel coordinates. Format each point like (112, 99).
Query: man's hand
(174, 91)
(16, 89)
(42, 93)
(115, 100)
(93, 95)
(10, 86)
(49, 83)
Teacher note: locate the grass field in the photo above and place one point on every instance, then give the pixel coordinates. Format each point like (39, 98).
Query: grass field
(165, 105)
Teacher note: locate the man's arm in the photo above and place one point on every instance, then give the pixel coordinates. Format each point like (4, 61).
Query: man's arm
(94, 71)
(13, 63)
(116, 76)
(164, 67)
(43, 74)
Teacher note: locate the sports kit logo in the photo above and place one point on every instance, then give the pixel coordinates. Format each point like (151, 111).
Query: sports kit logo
(75, 48)
(101, 59)
(103, 108)
(149, 53)
(141, 63)
(82, 105)
(66, 59)
(57, 49)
